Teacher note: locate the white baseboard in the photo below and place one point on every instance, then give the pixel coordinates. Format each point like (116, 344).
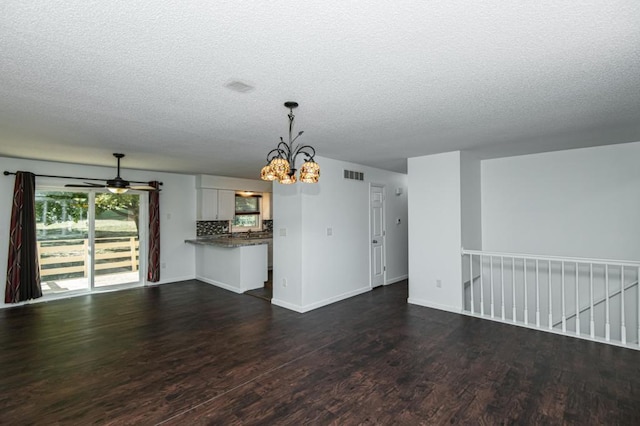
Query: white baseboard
(396, 279)
(219, 284)
(310, 307)
(335, 299)
(429, 304)
(287, 305)
(170, 281)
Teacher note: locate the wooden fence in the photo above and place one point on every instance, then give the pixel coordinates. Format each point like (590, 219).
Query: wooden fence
(63, 257)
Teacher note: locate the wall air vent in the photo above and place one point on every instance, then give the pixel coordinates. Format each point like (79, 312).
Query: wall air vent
(350, 174)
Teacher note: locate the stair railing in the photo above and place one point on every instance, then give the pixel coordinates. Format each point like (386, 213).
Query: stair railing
(596, 299)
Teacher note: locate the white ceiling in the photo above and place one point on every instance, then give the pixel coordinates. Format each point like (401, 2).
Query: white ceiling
(377, 82)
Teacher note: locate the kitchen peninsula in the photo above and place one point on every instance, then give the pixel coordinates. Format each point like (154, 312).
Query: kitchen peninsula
(233, 262)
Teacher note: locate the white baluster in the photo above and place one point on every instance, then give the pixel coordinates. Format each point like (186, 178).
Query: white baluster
(607, 329)
(491, 292)
(638, 304)
(592, 324)
(537, 297)
(513, 287)
(502, 284)
(526, 302)
(577, 303)
(623, 328)
(564, 315)
(471, 282)
(481, 285)
(550, 300)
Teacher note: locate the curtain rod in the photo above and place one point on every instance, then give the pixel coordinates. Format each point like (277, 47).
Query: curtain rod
(6, 173)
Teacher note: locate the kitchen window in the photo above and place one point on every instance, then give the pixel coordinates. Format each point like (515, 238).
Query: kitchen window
(247, 215)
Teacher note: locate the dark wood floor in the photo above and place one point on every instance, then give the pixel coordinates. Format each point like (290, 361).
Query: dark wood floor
(189, 353)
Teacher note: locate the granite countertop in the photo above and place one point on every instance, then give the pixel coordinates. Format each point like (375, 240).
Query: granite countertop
(232, 241)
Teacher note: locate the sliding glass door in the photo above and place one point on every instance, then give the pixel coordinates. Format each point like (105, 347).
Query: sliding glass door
(88, 240)
(63, 240)
(117, 240)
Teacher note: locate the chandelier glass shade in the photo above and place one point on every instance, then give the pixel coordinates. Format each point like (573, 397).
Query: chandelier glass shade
(310, 172)
(281, 161)
(267, 173)
(288, 179)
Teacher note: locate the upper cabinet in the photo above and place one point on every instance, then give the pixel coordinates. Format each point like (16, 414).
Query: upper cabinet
(226, 204)
(207, 200)
(216, 196)
(215, 204)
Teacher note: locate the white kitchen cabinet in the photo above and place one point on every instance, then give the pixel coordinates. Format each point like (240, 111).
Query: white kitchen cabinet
(207, 200)
(237, 269)
(216, 204)
(226, 204)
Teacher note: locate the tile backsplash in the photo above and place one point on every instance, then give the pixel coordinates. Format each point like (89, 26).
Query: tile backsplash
(214, 227)
(211, 227)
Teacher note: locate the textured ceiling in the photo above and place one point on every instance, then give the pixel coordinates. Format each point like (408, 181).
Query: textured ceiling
(377, 82)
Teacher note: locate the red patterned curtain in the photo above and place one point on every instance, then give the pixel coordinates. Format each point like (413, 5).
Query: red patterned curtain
(153, 267)
(23, 272)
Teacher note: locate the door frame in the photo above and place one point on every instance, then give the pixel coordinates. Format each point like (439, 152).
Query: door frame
(143, 235)
(384, 232)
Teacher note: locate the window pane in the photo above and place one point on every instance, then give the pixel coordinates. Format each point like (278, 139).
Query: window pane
(62, 233)
(247, 204)
(246, 220)
(116, 238)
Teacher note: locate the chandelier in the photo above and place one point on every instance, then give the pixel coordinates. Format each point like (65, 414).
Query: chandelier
(281, 161)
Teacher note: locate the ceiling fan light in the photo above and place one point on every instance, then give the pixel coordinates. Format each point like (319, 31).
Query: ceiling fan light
(117, 190)
(310, 172)
(267, 173)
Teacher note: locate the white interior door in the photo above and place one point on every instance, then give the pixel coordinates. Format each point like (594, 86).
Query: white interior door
(377, 235)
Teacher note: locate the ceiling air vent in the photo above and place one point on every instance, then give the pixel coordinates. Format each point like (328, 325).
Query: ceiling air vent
(350, 174)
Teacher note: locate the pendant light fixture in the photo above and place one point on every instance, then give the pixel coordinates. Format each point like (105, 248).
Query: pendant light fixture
(281, 161)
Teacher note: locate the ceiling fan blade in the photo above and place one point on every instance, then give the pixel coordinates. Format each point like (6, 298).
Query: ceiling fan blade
(86, 185)
(143, 188)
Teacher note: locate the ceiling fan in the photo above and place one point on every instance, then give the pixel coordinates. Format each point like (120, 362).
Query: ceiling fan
(116, 185)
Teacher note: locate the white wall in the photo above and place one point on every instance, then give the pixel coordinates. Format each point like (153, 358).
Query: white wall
(581, 202)
(436, 231)
(233, 184)
(287, 245)
(471, 201)
(322, 269)
(177, 222)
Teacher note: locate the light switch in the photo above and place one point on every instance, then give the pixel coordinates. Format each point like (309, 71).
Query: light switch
(329, 231)
(283, 232)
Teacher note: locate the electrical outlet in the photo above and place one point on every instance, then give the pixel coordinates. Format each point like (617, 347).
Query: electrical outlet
(439, 283)
(164, 265)
(329, 231)
(284, 282)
